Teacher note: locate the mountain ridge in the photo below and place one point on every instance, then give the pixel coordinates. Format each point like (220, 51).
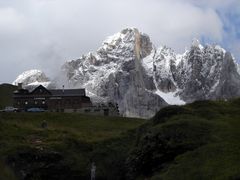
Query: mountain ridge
(128, 70)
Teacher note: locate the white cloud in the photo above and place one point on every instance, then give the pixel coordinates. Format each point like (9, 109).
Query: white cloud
(53, 31)
(167, 22)
(11, 21)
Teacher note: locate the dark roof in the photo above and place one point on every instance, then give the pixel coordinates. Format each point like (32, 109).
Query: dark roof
(21, 91)
(53, 92)
(67, 92)
(40, 89)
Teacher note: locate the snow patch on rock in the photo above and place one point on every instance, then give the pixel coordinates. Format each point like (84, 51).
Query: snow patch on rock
(171, 98)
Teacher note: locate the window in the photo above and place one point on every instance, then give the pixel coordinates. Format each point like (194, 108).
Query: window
(87, 110)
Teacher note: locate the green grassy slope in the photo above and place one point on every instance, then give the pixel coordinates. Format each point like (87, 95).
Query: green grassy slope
(6, 91)
(66, 148)
(196, 141)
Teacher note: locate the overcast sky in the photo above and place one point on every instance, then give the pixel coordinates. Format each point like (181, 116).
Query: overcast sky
(43, 34)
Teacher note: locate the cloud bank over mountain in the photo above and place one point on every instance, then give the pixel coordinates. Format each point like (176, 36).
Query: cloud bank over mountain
(45, 33)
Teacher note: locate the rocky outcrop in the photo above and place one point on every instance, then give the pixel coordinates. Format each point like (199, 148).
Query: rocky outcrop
(115, 72)
(207, 73)
(229, 80)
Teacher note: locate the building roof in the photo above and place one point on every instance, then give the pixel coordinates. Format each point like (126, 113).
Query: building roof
(67, 92)
(21, 91)
(53, 92)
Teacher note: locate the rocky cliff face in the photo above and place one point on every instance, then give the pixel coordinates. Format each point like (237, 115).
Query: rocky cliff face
(128, 70)
(207, 73)
(115, 73)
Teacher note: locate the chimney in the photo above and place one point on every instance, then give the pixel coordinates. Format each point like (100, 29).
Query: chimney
(63, 89)
(19, 86)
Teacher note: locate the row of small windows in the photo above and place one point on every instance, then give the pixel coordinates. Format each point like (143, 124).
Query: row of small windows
(35, 102)
(67, 102)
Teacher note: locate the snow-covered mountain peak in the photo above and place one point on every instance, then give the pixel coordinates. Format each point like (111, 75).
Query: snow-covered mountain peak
(126, 42)
(196, 44)
(129, 29)
(128, 70)
(32, 77)
(220, 49)
(166, 51)
(125, 36)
